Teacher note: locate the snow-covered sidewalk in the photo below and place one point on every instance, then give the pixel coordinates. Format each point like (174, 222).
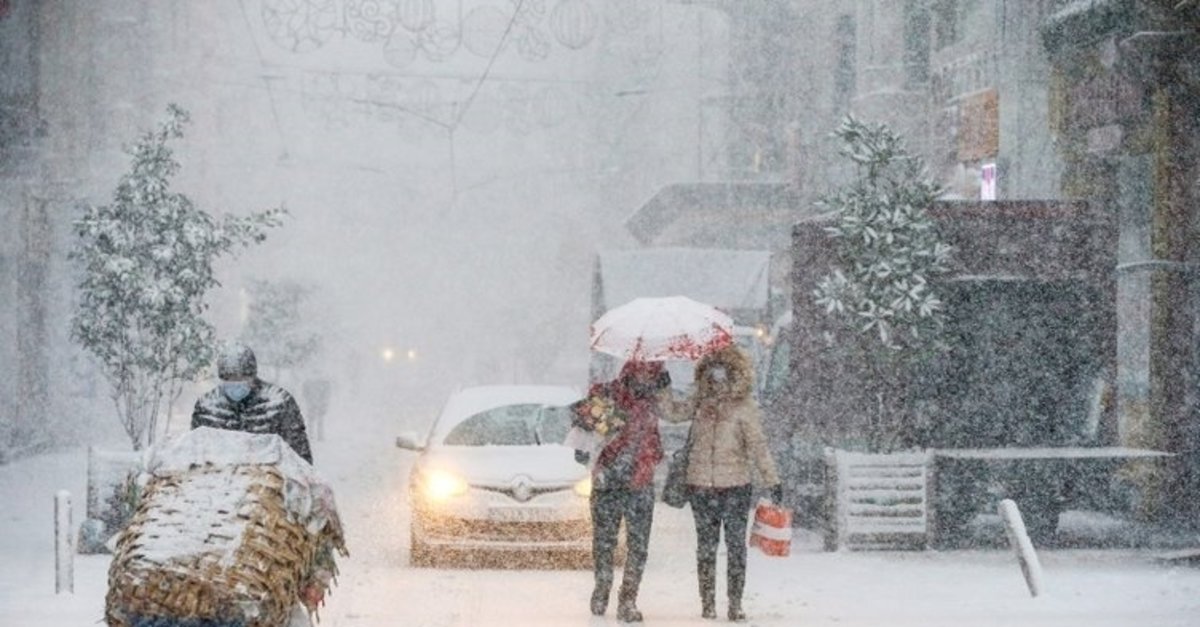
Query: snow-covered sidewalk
(1092, 588)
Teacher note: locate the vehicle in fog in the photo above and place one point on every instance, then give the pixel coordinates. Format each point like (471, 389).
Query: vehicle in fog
(493, 475)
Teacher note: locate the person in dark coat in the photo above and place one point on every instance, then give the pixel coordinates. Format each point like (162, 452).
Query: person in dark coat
(243, 402)
(623, 485)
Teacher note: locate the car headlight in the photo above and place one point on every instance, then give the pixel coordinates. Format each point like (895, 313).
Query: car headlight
(584, 487)
(439, 485)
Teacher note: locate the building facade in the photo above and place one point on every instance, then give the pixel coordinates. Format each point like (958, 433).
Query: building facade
(69, 98)
(1056, 100)
(1125, 103)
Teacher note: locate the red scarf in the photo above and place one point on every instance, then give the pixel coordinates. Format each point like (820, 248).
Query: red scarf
(641, 431)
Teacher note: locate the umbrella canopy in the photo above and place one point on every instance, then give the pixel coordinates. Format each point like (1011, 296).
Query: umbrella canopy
(661, 329)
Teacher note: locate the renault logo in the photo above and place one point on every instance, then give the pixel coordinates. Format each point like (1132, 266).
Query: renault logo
(521, 488)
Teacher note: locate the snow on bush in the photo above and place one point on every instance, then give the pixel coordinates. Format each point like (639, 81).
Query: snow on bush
(879, 292)
(146, 264)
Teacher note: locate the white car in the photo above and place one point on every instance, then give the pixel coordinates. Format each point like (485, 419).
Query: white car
(494, 475)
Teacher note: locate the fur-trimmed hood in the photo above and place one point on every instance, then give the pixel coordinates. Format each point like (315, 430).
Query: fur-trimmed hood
(739, 383)
(727, 444)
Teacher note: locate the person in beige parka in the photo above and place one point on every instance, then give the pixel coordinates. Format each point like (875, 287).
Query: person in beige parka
(727, 451)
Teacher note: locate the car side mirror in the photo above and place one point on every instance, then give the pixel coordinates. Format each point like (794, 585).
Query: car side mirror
(408, 441)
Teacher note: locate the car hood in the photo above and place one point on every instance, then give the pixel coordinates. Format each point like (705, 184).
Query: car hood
(498, 466)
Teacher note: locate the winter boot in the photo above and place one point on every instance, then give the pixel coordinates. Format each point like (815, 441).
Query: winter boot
(627, 612)
(599, 599)
(708, 589)
(736, 614)
(737, 583)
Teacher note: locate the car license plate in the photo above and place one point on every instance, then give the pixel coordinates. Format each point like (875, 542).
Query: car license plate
(519, 514)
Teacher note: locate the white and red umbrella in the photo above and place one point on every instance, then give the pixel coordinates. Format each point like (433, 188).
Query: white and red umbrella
(662, 329)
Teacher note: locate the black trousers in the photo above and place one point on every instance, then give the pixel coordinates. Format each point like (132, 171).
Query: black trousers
(609, 508)
(714, 509)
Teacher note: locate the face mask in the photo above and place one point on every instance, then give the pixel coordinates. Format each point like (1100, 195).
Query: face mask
(718, 374)
(235, 390)
(647, 385)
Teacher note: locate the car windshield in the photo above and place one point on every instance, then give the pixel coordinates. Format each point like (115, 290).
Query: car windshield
(512, 425)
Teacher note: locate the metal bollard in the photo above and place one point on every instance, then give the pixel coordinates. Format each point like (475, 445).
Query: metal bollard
(64, 553)
(1031, 568)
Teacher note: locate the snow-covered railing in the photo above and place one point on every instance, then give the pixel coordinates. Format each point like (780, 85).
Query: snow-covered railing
(966, 476)
(880, 501)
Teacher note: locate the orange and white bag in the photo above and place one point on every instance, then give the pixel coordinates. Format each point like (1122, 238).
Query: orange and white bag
(772, 529)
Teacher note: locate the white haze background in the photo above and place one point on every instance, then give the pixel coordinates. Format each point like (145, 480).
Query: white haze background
(456, 217)
(446, 208)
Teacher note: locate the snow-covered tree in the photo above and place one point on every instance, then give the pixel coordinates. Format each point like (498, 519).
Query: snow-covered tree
(275, 327)
(146, 265)
(880, 292)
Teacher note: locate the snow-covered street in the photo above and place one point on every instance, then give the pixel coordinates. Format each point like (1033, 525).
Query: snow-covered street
(378, 588)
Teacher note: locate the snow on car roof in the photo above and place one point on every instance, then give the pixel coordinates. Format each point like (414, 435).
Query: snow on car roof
(470, 401)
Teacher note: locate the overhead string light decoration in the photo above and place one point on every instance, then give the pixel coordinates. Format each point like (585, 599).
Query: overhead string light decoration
(408, 30)
(416, 65)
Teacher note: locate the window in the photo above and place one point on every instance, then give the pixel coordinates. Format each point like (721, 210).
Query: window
(513, 425)
(552, 424)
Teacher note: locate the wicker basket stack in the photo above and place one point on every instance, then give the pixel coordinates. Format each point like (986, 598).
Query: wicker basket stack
(218, 544)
